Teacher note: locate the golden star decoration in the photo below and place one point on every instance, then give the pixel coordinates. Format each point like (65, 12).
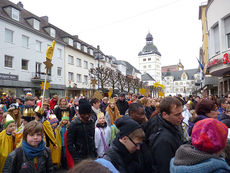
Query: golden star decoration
(48, 64)
(161, 94)
(156, 84)
(110, 92)
(93, 82)
(46, 87)
(142, 91)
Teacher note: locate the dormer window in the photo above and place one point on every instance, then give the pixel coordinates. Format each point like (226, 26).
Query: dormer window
(91, 52)
(15, 14)
(52, 32)
(85, 49)
(77, 45)
(68, 41)
(36, 24)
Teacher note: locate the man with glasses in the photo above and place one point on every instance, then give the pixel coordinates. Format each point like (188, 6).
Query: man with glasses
(122, 152)
(163, 133)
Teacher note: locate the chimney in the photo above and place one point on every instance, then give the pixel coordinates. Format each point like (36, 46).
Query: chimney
(98, 47)
(75, 37)
(45, 18)
(19, 4)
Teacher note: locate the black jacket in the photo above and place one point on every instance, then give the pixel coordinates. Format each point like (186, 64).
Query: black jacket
(80, 140)
(17, 162)
(103, 107)
(58, 112)
(122, 106)
(122, 160)
(163, 139)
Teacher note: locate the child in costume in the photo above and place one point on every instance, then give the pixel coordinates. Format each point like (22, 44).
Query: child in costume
(102, 135)
(27, 116)
(49, 135)
(33, 156)
(63, 125)
(55, 151)
(14, 111)
(7, 139)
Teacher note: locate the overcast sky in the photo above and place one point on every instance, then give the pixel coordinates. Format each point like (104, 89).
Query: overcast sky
(120, 26)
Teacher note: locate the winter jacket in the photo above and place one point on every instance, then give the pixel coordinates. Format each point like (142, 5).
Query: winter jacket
(58, 112)
(103, 107)
(148, 111)
(198, 118)
(190, 160)
(80, 140)
(17, 162)
(121, 159)
(122, 106)
(163, 139)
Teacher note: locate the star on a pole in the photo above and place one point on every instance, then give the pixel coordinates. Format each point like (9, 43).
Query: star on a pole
(48, 64)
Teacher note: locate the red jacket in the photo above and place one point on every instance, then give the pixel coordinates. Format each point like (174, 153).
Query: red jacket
(52, 104)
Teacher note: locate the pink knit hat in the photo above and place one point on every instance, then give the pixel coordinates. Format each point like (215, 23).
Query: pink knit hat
(209, 135)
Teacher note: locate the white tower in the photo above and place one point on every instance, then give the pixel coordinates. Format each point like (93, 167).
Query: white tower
(150, 59)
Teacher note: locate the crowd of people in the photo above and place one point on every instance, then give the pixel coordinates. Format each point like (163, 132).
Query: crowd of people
(125, 133)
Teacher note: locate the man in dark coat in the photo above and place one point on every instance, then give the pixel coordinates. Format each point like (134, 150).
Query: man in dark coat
(163, 133)
(122, 104)
(80, 135)
(122, 153)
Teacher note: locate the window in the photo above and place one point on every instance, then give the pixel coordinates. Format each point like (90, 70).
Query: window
(227, 30)
(78, 62)
(59, 53)
(85, 79)
(181, 90)
(216, 39)
(176, 83)
(144, 66)
(70, 59)
(15, 14)
(52, 32)
(79, 78)
(144, 59)
(85, 49)
(149, 59)
(91, 65)
(38, 46)
(49, 71)
(78, 45)
(25, 41)
(70, 76)
(70, 42)
(36, 24)
(149, 66)
(181, 83)
(85, 65)
(59, 71)
(8, 61)
(91, 51)
(9, 36)
(25, 64)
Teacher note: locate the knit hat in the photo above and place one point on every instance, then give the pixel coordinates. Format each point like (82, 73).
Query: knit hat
(13, 106)
(209, 135)
(85, 108)
(8, 120)
(53, 119)
(126, 125)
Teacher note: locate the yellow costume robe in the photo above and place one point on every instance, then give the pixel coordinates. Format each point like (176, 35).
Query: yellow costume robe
(6, 147)
(56, 153)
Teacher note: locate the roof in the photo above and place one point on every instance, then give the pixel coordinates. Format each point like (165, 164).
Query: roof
(129, 68)
(177, 74)
(147, 77)
(149, 48)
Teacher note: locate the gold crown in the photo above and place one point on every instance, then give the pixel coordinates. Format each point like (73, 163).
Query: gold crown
(39, 110)
(112, 100)
(28, 112)
(65, 114)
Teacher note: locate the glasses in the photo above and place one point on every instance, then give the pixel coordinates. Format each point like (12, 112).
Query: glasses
(137, 145)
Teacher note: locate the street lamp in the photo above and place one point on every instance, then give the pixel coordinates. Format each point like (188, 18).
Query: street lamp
(98, 57)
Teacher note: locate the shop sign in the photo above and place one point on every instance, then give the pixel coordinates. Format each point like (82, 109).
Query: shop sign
(8, 77)
(224, 60)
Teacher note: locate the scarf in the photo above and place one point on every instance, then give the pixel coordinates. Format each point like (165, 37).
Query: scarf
(97, 111)
(101, 126)
(114, 115)
(32, 152)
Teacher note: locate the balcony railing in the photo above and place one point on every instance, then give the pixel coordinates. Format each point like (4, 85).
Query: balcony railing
(39, 77)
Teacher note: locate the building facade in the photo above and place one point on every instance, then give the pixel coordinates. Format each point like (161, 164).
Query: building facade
(24, 41)
(218, 27)
(150, 59)
(180, 82)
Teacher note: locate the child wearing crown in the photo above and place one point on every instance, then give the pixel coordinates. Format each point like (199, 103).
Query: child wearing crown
(7, 137)
(102, 135)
